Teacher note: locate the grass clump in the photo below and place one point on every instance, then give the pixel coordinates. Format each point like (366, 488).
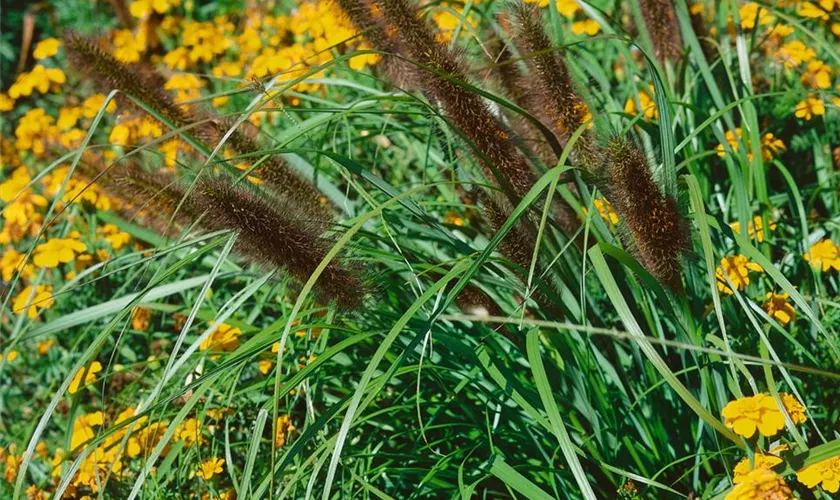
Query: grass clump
(329, 249)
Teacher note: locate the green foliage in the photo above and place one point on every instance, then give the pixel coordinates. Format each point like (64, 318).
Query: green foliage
(405, 278)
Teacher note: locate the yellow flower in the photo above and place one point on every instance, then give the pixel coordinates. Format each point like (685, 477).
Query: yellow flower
(811, 11)
(750, 12)
(588, 26)
(224, 338)
(40, 79)
(140, 317)
(6, 102)
(747, 414)
(284, 428)
(265, 366)
(142, 8)
(90, 376)
(737, 268)
(116, 238)
(771, 146)
(92, 105)
(755, 228)
(44, 346)
(189, 431)
(825, 473)
(760, 484)
(47, 47)
(793, 408)
(567, 8)
(177, 58)
(648, 105)
(818, 75)
(41, 299)
(12, 262)
(127, 46)
(824, 255)
(795, 53)
(606, 210)
(57, 250)
(761, 461)
(120, 135)
(10, 356)
(809, 108)
(776, 305)
(210, 468)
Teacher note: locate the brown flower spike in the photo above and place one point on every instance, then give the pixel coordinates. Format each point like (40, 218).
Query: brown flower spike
(658, 231)
(664, 28)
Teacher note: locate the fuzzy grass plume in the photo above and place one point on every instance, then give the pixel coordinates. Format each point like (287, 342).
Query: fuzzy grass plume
(147, 85)
(657, 229)
(664, 28)
(440, 69)
(273, 232)
(564, 109)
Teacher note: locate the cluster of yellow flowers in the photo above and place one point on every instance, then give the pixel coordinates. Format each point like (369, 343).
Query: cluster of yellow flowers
(771, 145)
(755, 477)
(570, 9)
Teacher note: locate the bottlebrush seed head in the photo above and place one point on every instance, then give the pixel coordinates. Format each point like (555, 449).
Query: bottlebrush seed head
(108, 73)
(657, 229)
(664, 28)
(556, 95)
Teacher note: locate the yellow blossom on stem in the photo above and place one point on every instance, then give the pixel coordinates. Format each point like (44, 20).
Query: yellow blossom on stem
(116, 238)
(777, 306)
(56, 251)
(818, 75)
(824, 255)
(760, 484)
(825, 474)
(810, 108)
(47, 47)
(9, 356)
(755, 228)
(223, 338)
(283, 429)
(748, 414)
(6, 102)
(189, 431)
(265, 366)
(646, 102)
(751, 14)
(794, 408)
(795, 53)
(737, 268)
(140, 317)
(12, 262)
(32, 303)
(43, 347)
(210, 468)
(89, 374)
(40, 78)
(811, 11)
(760, 460)
(588, 26)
